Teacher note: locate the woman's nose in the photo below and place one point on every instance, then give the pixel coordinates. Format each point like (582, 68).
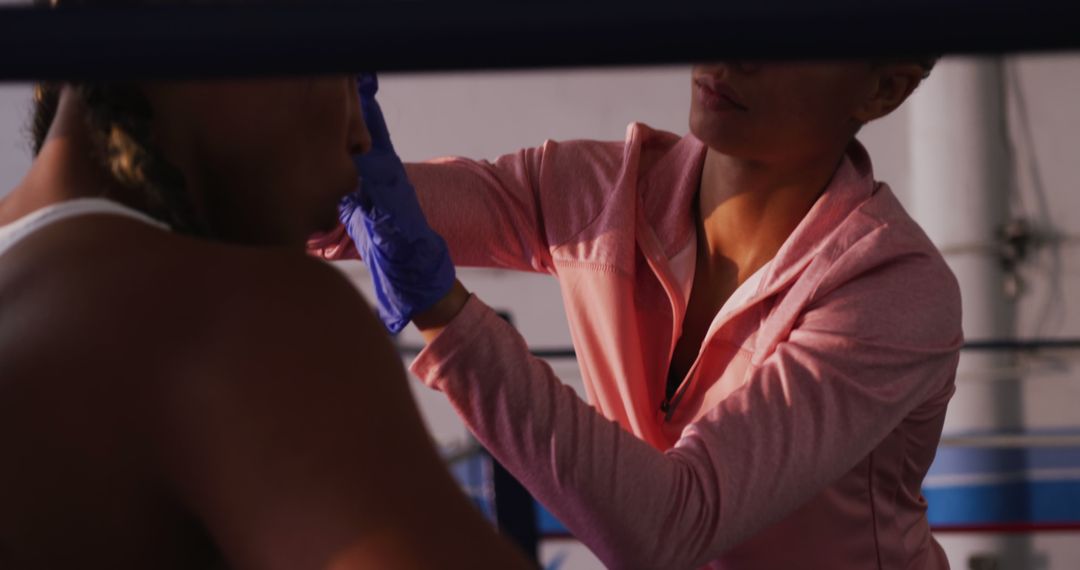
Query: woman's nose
(732, 66)
(747, 67)
(359, 137)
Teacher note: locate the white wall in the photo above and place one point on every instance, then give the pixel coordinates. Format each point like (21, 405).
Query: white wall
(14, 137)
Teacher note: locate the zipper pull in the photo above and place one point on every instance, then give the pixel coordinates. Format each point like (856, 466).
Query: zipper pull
(667, 408)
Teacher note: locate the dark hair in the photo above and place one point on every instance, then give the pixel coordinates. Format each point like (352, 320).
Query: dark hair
(119, 115)
(925, 61)
(928, 62)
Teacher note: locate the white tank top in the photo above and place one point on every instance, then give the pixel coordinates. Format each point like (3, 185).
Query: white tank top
(16, 231)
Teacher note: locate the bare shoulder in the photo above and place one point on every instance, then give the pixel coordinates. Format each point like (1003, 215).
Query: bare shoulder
(110, 283)
(255, 385)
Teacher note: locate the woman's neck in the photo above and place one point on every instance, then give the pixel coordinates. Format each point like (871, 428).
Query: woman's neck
(65, 168)
(746, 208)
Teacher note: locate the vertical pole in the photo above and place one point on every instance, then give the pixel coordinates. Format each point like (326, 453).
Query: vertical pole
(961, 182)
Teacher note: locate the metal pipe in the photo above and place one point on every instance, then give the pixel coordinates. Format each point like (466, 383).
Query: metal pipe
(1010, 441)
(989, 345)
(960, 184)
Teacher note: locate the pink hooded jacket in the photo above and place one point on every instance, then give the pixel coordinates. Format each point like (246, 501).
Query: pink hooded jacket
(801, 435)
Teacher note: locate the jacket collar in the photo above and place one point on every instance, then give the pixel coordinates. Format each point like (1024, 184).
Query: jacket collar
(668, 185)
(851, 185)
(671, 174)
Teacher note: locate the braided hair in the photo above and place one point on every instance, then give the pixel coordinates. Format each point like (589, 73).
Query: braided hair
(119, 116)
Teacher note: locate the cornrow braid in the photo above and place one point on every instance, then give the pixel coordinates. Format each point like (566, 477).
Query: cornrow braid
(46, 102)
(120, 115)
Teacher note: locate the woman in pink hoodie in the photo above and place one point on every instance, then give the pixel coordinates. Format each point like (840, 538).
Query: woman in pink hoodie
(767, 340)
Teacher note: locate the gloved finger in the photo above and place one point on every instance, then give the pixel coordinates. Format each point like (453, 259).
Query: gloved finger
(367, 85)
(352, 205)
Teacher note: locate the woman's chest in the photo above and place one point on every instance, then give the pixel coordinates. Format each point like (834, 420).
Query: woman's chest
(707, 297)
(721, 364)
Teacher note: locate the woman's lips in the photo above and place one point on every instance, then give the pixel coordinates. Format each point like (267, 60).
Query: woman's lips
(717, 96)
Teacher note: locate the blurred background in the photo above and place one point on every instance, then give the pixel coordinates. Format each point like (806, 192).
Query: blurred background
(986, 156)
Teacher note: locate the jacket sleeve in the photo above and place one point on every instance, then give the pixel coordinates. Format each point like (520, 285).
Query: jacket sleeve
(507, 213)
(858, 359)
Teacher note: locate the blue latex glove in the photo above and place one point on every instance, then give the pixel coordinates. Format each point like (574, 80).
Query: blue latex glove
(409, 263)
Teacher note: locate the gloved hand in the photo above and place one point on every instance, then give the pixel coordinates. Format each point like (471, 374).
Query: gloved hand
(409, 263)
